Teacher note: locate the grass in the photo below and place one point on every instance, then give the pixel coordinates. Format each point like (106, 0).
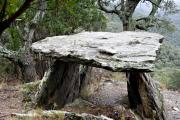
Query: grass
(29, 90)
(2, 84)
(169, 78)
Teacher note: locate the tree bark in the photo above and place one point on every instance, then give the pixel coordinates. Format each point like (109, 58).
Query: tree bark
(28, 64)
(60, 85)
(24, 58)
(144, 96)
(28, 70)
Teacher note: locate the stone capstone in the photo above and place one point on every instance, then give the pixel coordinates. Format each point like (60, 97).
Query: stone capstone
(124, 51)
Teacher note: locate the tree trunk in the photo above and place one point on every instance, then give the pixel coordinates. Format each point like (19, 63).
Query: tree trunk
(60, 85)
(27, 65)
(144, 96)
(127, 22)
(28, 73)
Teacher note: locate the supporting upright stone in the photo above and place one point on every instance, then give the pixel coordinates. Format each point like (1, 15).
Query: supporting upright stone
(60, 85)
(144, 96)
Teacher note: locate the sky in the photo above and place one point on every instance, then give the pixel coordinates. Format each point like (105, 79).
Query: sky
(146, 8)
(177, 2)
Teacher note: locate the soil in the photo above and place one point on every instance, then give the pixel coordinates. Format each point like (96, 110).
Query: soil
(111, 92)
(10, 99)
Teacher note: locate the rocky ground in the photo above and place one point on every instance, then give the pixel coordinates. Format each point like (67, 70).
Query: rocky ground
(111, 92)
(115, 93)
(172, 103)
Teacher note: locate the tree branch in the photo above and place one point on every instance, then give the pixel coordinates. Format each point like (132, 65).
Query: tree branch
(122, 5)
(154, 3)
(33, 23)
(7, 22)
(13, 55)
(145, 22)
(150, 19)
(155, 6)
(143, 18)
(2, 13)
(105, 9)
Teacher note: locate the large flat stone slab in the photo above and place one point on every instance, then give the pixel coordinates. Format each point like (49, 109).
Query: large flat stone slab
(125, 51)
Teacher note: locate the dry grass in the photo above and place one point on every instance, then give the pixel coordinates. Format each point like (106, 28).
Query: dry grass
(3, 84)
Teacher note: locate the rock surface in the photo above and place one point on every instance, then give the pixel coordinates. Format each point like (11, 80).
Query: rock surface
(112, 51)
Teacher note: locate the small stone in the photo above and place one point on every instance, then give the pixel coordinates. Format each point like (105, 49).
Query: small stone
(175, 109)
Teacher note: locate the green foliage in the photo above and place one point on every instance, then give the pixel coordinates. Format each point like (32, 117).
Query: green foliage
(11, 7)
(168, 66)
(166, 25)
(169, 6)
(168, 77)
(15, 41)
(61, 17)
(65, 16)
(6, 68)
(169, 56)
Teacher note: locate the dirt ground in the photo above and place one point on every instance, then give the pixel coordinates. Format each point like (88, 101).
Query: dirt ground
(172, 103)
(114, 92)
(10, 100)
(111, 92)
